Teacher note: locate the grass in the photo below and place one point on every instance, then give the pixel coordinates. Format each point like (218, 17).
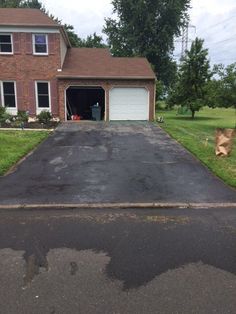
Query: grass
(16, 144)
(193, 135)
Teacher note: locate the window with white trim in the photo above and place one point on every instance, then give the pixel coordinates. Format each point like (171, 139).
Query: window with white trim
(6, 44)
(43, 95)
(40, 44)
(8, 94)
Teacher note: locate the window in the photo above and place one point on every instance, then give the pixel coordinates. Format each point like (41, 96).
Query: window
(8, 94)
(40, 43)
(43, 95)
(6, 44)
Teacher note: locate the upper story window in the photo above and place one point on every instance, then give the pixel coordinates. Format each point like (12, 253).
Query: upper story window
(6, 44)
(40, 44)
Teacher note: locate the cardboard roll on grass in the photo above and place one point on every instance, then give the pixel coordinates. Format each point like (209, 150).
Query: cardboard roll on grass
(224, 141)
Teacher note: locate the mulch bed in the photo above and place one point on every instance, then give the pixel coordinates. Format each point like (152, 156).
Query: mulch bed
(30, 125)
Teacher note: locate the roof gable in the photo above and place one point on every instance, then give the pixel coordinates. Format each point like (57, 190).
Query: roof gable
(98, 63)
(25, 17)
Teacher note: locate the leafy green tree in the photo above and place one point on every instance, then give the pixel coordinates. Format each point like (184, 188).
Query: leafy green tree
(93, 41)
(10, 3)
(227, 86)
(73, 37)
(213, 93)
(221, 90)
(147, 28)
(191, 88)
(32, 4)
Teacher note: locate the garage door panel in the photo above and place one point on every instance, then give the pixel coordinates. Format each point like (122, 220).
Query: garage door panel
(129, 104)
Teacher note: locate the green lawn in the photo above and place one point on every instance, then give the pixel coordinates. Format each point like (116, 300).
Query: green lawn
(16, 144)
(192, 134)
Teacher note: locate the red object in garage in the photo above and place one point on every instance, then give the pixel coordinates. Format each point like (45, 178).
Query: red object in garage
(75, 117)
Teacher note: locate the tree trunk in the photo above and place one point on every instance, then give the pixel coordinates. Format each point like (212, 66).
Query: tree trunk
(193, 113)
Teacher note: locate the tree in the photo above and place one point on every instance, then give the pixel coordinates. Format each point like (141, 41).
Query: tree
(194, 74)
(73, 37)
(147, 28)
(93, 41)
(10, 3)
(221, 90)
(227, 86)
(32, 4)
(213, 93)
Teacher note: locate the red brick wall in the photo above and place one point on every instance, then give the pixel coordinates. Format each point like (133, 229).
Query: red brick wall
(106, 85)
(25, 68)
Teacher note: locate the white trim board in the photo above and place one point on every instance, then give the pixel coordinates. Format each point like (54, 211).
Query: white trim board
(9, 29)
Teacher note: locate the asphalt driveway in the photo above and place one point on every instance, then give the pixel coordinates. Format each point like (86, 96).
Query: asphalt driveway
(109, 163)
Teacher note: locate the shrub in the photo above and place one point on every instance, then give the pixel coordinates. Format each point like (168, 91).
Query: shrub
(22, 116)
(4, 115)
(44, 117)
(161, 105)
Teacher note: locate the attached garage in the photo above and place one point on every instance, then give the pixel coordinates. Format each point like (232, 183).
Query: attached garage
(124, 88)
(80, 102)
(129, 103)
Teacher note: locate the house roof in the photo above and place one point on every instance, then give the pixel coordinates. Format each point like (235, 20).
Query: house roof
(98, 63)
(25, 17)
(29, 18)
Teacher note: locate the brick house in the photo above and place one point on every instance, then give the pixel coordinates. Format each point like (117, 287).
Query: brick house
(39, 70)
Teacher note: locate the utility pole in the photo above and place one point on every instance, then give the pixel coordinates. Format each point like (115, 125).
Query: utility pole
(185, 38)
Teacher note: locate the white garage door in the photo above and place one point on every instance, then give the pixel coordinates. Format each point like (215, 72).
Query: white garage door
(129, 104)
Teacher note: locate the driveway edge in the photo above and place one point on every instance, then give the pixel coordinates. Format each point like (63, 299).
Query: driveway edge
(119, 206)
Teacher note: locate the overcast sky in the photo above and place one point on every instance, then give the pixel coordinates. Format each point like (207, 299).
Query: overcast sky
(215, 21)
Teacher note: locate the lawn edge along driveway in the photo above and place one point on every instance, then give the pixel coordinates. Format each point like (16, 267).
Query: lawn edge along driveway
(198, 137)
(205, 161)
(16, 145)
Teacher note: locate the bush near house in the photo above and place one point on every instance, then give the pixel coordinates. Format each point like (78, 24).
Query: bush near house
(22, 116)
(198, 136)
(4, 116)
(44, 117)
(21, 120)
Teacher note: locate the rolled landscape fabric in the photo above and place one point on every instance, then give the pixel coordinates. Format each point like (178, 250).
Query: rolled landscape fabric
(224, 141)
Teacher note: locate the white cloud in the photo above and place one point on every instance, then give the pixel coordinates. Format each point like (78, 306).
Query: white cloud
(86, 16)
(215, 21)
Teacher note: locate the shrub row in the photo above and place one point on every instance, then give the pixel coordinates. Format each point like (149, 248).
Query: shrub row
(22, 117)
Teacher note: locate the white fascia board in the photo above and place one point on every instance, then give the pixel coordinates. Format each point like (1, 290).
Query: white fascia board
(15, 29)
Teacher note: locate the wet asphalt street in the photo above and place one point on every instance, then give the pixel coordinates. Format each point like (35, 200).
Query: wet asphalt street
(118, 261)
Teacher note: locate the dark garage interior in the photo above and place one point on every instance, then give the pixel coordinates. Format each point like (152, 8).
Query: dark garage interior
(80, 100)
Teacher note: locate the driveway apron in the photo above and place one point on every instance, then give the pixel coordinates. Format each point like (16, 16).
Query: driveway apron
(83, 163)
